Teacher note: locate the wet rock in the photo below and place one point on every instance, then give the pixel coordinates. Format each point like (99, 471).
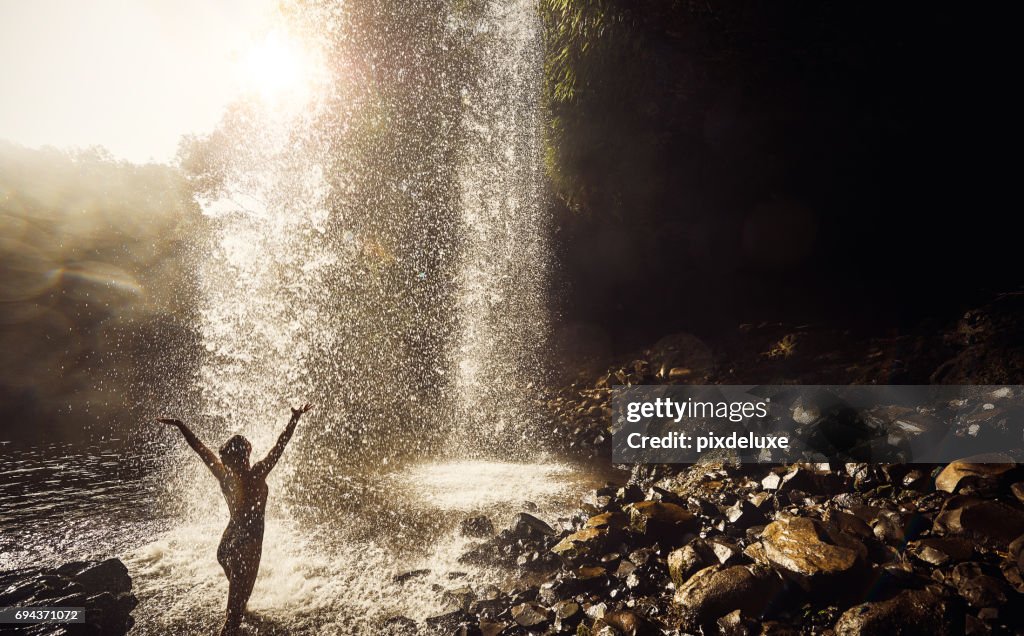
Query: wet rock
(449, 622)
(810, 551)
(991, 521)
(567, 615)
(492, 628)
(527, 526)
(586, 541)
(399, 626)
(911, 613)
(530, 615)
(103, 588)
(658, 520)
(972, 470)
(716, 591)
(735, 623)
(977, 588)
(459, 598)
(623, 623)
(478, 527)
(1018, 491)
(744, 514)
(941, 550)
(849, 524)
(408, 576)
(687, 560)
(888, 528)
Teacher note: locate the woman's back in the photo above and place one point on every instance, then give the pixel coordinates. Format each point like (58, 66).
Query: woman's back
(246, 495)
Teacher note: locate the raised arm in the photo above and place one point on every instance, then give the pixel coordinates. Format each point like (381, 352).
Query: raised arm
(208, 456)
(263, 467)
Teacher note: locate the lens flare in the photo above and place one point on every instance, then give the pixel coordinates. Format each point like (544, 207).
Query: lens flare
(281, 70)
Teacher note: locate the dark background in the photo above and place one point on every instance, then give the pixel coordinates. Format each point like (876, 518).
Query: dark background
(836, 162)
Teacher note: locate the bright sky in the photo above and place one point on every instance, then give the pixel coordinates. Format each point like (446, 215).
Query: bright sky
(130, 75)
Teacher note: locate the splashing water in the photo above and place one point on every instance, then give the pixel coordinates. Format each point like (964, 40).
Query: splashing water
(503, 269)
(384, 253)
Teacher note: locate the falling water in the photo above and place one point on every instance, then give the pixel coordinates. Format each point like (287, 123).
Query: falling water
(382, 251)
(503, 264)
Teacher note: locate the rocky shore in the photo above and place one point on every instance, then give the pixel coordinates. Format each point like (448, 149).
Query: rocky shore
(847, 548)
(103, 588)
(805, 549)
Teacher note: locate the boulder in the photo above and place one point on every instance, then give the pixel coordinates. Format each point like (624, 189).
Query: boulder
(527, 526)
(991, 521)
(530, 615)
(586, 541)
(811, 552)
(971, 470)
(910, 613)
(715, 591)
(661, 521)
(103, 588)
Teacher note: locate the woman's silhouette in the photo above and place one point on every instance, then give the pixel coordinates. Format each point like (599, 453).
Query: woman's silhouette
(245, 490)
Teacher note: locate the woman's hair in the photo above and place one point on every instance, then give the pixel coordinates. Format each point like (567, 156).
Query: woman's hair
(236, 448)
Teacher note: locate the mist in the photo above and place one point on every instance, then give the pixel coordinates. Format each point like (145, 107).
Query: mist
(96, 290)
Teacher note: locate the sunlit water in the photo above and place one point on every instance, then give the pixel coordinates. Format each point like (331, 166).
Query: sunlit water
(327, 568)
(410, 307)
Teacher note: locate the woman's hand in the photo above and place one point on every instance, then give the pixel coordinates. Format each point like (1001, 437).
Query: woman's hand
(296, 413)
(170, 421)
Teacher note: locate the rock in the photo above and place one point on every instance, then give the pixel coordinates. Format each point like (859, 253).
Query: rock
(399, 626)
(687, 560)
(408, 576)
(911, 613)
(448, 623)
(661, 521)
(110, 575)
(941, 550)
(459, 598)
(624, 623)
(103, 588)
(478, 527)
(810, 551)
(725, 551)
(530, 615)
(736, 624)
(492, 628)
(744, 514)
(567, 615)
(586, 541)
(1018, 491)
(977, 588)
(716, 591)
(991, 521)
(527, 526)
(986, 467)
(611, 521)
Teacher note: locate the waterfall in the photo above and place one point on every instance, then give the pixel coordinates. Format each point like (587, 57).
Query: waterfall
(504, 227)
(381, 248)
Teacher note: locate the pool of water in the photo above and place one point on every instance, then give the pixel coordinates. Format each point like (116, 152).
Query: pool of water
(332, 548)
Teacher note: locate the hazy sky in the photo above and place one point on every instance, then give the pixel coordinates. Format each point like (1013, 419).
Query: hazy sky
(130, 75)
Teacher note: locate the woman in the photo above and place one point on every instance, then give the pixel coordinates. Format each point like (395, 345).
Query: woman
(245, 490)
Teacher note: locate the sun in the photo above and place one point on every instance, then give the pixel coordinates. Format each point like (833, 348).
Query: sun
(280, 70)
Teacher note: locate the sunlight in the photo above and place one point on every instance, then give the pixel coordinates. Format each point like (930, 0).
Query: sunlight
(281, 71)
